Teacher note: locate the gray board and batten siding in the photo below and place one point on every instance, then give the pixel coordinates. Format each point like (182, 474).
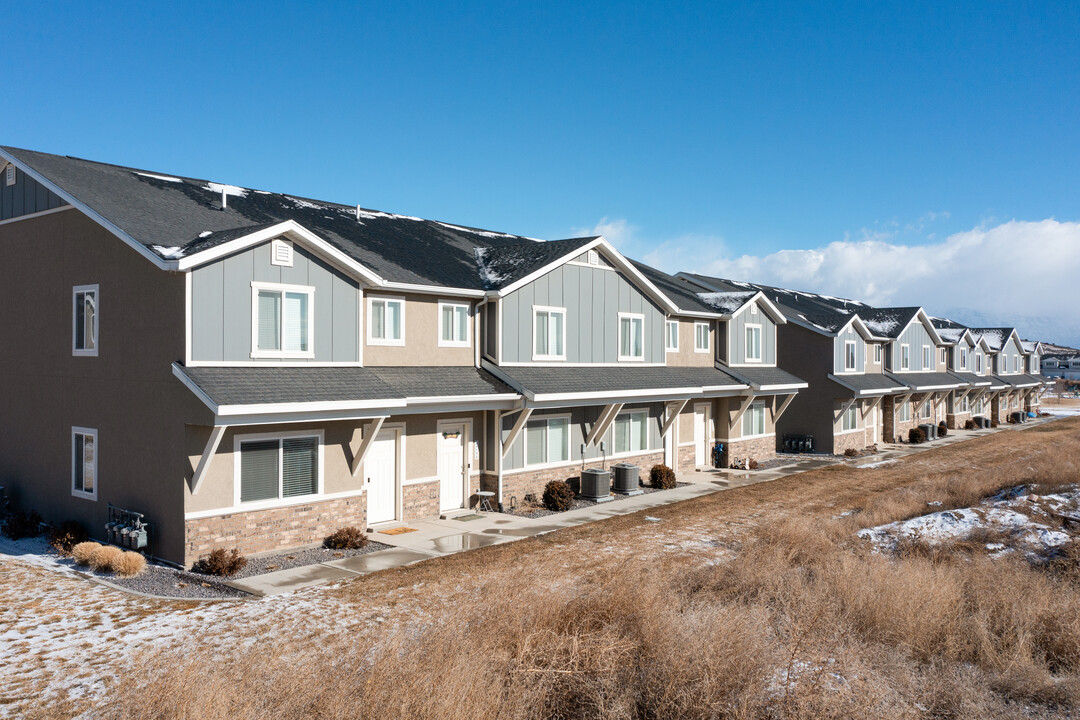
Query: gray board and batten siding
(840, 350)
(915, 336)
(221, 306)
(581, 421)
(736, 328)
(593, 298)
(26, 196)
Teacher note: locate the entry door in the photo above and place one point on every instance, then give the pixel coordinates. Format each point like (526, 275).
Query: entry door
(699, 436)
(380, 471)
(452, 467)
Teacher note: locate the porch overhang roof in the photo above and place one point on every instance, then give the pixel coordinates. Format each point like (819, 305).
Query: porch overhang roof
(868, 385)
(975, 381)
(928, 381)
(766, 379)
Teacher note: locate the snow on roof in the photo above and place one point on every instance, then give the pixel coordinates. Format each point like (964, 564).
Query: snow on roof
(995, 337)
(951, 334)
(231, 190)
(491, 278)
(726, 302)
(163, 178)
(172, 253)
(882, 327)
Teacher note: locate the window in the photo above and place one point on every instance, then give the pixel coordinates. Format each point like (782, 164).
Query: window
(453, 324)
(905, 357)
(850, 421)
(386, 321)
(1016, 363)
(672, 338)
(9, 175)
(701, 337)
(877, 354)
(632, 432)
(849, 354)
(631, 337)
(963, 359)
(281, 253)
(753, 343)
(978, 363)
(1004, 364)
(282, 322)
(84, 462)
(944, 356)
(927, 358)
(547, 441)
(277, 468)
(84, 329)
(753, 421)
(965, 404)
(903, 413)
(926, 408)
(549, 333)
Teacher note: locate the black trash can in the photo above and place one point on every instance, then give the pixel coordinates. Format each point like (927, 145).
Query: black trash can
(595, 483)
(626, 478)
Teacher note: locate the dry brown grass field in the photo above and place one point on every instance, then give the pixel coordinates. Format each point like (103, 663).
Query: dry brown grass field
(759, 602)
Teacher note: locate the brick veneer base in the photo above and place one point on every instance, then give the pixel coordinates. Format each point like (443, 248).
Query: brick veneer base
(852, 440)
(956, 421)
(518, 485)
(274, 529)
(420, 500)
(763, 448)
(687, 455)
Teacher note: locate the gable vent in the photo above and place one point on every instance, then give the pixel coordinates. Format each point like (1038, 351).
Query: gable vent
(9, 175)
(281, 253)
(594, 257)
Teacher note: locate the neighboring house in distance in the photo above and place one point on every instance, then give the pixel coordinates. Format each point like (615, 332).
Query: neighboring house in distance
(254, 370)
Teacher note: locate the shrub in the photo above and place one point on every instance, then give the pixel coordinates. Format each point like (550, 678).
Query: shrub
(129, 564)
(67, 536)
(346, 538)
(851, 452)
(942, 429)
(558, 496)
(969, 425)
(105, 557)
(916, 435)
(22, 524)
(662, 477)
(82, 552)
(752, 464)
(220, 562)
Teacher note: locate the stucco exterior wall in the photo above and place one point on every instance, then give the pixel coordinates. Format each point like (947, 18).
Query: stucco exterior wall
(686, 356)
(421, 335)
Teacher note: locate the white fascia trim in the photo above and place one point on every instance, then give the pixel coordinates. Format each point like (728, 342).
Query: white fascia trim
(615, 394)
(264, 363)
(178, 371)
(559, 364)
(31, 216)
(770, 309)
(228, 411)
(779, 388)
(92, 214)
(860, 327)
(434, 290)
(888, 390)
(929, 326)
(931, 388)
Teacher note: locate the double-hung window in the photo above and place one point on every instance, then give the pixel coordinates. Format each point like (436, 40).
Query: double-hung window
(1004, 364)
(851, 421)
(905, 357)
(963, 359)
(753, 343)
(547, 441)
(978, 364)
(549, 333)
(631, 336)
(753, 422)
(927, 358)
(632, 432)
(84, 463)
(926, 408)
(877, 354)
(701, 337)
(903, 413)
(944, 356)
(283, 321)
(965, 404)
(1016, 363)
(671, 338)
(278, 468)
(84, 328)
(453, 324)
(386, 321)
(849, 355)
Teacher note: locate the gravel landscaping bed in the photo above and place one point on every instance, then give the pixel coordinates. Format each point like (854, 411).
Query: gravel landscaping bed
(164, 581)
(538, 511)
(292, 559)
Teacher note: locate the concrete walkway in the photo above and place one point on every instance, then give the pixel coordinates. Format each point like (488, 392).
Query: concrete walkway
(437, 537)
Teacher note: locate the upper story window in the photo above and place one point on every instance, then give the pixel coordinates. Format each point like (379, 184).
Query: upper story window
(978, 364)
(278, 467)
(386, 321)
(1016, 363)
(849, 355)
(549, 333)
(1004, 364)
(963, 359)
(632, 432)
(753, 343)
(701, 337)
(84, 328)
(453, 324)
(753, 421)
(547, 441)
(282, 321)
(927, 357)
(877, 354)
(850, 421)
(671, 337)
(905, 357)
(631, 336)
(944, 356)
(84, 463)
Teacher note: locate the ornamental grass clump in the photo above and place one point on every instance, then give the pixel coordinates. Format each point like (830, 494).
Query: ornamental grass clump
(83, 551)
(558, 496)
(662, 477)
(346, 538)
(104, 558)
(129, 564)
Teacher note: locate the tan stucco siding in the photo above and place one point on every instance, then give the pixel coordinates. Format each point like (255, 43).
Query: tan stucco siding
(686, 356)
(421, 335)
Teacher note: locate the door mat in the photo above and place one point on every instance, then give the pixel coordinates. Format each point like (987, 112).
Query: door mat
(398, 531)
(467, 518)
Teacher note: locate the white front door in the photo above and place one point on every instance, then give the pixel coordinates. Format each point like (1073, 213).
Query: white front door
(699, 436)
(452, 467)
(380, 474)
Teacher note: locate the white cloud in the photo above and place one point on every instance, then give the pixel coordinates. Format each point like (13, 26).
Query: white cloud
(1018, 273)
(616, 231)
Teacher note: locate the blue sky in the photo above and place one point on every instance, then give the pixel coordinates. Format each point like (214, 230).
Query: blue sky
(720, 133)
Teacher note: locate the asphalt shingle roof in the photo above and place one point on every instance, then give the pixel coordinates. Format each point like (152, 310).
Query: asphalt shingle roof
(919, 381)
(503, 265)
(971, 378)
(887, 322)
(558, 380)
(764, 377)
(872, 383)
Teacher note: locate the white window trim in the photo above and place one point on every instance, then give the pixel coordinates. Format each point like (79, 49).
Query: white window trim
(853, 411)
(905, 410)
(854, 356)
(256, 353)
(97, 320)
(764, 422)
(548, 309)
(963, 359)
(877, 353)
(708, 339)
(631, 317)
(569, 445)
(92, 432)
(467, 342)
(905, 365)
(667, 335)
(398, 342)
(648, 434)
(944, 356)
(746, 350)
(280, 501)
(927, 357)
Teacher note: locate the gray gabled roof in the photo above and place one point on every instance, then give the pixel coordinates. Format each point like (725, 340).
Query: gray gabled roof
(888, 322)
(503, 265)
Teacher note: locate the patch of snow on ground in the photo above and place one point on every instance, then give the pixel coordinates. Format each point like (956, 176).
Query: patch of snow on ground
(1061, 411)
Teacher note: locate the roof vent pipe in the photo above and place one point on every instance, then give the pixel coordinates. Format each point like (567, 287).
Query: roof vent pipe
(357, 212)
(224, 199)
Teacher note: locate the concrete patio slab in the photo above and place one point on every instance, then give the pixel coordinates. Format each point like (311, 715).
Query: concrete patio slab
(292, 579)
(381, 560)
